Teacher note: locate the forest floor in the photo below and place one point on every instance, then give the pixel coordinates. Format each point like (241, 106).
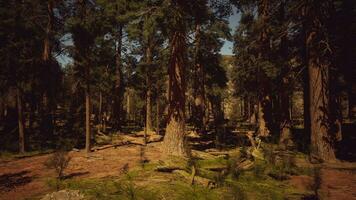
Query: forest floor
(28, 178)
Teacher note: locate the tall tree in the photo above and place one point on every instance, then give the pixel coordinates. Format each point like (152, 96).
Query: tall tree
(323, 134)
(84, 30)
(174, 140)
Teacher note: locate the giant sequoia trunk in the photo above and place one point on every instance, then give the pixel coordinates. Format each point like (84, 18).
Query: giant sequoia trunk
(323, 135)
(174, 140)
(198, 85)
(20, 120)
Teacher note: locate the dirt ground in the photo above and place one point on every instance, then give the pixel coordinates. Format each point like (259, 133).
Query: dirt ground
(338, 182)
(26, 177)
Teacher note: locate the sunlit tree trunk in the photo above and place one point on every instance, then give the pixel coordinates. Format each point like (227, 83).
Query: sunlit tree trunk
(261, 121)
(148, 91)
(174, 140)
(262, 80)
(128, 104)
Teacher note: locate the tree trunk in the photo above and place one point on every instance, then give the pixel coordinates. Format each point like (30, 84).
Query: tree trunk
(285, 139)
(322, 137)
(198, 84)
(47, 107)
(285, 123)
(20, 121)
(174, 140)
(261, 122)
(100, 113)
(157, 116)
(148, 91)
(262, 80)
(218, 119)
(249, 109)
(128, 104)
(87, 113)
(118, 83)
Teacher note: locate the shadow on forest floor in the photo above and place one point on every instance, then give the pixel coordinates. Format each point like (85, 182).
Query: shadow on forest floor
(12, 180)
(75, 174)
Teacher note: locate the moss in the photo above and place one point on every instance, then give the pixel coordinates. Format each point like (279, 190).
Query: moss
(108, 188)
(219, 162)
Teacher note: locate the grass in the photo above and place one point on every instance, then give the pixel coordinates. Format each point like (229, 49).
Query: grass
(143, 182)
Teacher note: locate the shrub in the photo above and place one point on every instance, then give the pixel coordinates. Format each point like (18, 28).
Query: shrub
(59, 162)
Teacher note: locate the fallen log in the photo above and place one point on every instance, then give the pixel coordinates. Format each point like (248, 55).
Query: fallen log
(202, 155)
(109, 146)
(167, 168)
(192, 178)
(154, 138)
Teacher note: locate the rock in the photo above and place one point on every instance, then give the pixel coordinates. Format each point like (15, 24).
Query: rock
(64, 195)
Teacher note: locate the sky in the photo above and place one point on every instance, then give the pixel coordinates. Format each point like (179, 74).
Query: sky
(233, 22)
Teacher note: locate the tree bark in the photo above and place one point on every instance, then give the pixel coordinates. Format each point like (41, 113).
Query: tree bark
(128, 104)
(20, 121)
(148, 91)
(262, 80)
(261, 122)
(198, 84)
(100, 112)
(174, 140)
(47, 107)
(323, 138)
(285, 126)
(157, 116)
(87, 112)
(285, 123)
(117, 107)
